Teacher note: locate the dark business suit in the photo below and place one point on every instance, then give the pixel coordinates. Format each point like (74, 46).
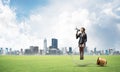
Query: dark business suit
(82, 38)
(82, 42)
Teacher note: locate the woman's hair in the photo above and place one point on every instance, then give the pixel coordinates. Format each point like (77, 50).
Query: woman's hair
(83, 29)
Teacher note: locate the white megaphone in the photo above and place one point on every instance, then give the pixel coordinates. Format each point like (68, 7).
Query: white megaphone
(77, 29)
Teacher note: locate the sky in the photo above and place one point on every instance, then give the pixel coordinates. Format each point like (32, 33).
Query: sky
(26, 22)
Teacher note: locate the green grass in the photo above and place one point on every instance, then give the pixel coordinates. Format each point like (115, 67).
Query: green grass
(57, 64)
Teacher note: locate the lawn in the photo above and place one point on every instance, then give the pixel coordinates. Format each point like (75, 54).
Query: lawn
(57, 64)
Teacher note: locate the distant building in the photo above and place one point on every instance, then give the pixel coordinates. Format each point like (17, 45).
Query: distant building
(102, 52)
(95, 51)
(53, 49)
(10, 51)
(15, 52)
(86, 50)
(64, 50)
(116, 53)
(54, 43)
(34, 49)
(106, 52)
(111, 51)
(45, 46)
(6, 51)
(1, 50)
(27, 51)
(91, 52)
(70, 50)
(21, 51)
(41, 52)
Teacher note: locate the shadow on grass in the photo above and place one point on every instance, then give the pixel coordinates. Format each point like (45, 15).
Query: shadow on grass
(88, 65)
(81, 65)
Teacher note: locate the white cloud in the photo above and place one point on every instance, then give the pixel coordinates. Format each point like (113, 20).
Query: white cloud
(61, 26)
(13, 34)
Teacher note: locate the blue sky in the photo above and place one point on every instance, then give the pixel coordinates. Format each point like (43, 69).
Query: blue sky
(30, 21)
(25, 7)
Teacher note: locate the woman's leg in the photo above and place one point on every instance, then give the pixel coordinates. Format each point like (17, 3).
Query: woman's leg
(82, 53)
(80, 50)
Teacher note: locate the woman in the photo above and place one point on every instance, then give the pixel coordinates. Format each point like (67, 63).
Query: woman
(82, 41)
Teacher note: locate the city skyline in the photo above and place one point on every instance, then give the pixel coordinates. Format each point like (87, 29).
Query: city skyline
(25, 22)
(53, 49)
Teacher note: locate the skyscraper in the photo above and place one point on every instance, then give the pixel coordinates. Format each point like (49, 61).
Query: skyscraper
(95, 50)
(70, 49)
(54, 43)
(21, 51)
(6, 51)
(45, 46)
(10, 50)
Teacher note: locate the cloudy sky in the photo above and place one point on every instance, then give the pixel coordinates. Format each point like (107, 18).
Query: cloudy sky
(27, 22)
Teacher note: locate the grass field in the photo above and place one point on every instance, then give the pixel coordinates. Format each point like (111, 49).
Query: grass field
(57, 64)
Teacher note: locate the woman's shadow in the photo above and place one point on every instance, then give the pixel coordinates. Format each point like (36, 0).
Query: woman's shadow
(83, 65)
(88, 65)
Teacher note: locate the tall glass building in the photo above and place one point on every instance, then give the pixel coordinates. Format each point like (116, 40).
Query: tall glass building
(54, 43)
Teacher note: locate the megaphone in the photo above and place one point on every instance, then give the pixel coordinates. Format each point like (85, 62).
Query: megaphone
(77, 29)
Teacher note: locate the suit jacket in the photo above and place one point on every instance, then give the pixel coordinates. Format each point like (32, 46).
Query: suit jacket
(82, 38)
